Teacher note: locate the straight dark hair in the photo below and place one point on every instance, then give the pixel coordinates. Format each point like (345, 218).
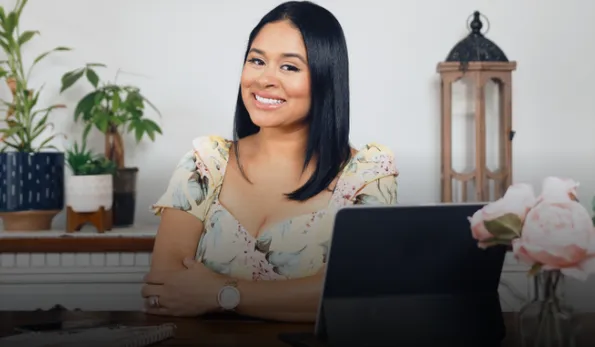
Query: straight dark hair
(328, 138)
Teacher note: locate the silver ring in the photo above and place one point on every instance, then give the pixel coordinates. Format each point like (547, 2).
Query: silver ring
(154, 301)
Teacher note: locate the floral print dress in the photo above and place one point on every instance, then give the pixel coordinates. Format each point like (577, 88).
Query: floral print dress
(292, 248)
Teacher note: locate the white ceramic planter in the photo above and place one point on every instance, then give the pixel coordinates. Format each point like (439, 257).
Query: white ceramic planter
(89, 193)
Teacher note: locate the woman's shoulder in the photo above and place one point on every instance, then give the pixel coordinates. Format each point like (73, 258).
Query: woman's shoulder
(374, 153)
(207, 144)
(208, 154)
(211, 148)
(373, 160)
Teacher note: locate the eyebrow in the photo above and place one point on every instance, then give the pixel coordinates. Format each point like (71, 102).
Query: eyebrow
(286, 55)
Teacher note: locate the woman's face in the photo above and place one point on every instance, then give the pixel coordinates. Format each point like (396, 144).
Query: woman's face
(275, 80)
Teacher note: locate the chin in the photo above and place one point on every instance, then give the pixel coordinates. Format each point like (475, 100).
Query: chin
(265, 119)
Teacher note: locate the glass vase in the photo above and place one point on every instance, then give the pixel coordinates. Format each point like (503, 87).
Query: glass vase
(547, 320)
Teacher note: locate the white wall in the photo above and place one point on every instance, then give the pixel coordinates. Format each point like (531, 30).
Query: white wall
(191, 54)
(187, 55)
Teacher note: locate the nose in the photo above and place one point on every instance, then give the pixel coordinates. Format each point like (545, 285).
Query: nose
(268, 78)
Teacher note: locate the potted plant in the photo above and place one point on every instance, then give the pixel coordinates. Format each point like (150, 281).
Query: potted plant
(91, 184)
(31, 177)
(114, 110)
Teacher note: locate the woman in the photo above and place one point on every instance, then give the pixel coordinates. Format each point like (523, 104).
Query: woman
(246, 223)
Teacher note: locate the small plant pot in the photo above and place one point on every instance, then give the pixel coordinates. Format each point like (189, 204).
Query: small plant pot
(88, 193)
(31, 190)
(124, 207)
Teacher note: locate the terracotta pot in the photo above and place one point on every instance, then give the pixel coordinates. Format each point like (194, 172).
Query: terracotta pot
(28, 220)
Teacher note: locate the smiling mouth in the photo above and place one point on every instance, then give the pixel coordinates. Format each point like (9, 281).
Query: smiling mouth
(267, 101)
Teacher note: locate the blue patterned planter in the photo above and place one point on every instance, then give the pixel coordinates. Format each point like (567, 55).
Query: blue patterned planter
(31, 181)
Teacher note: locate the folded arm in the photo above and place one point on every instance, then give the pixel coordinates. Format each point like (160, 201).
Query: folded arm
(292, 300)
(177, 239)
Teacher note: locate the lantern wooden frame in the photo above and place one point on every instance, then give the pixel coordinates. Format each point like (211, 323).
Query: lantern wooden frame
(480, 72)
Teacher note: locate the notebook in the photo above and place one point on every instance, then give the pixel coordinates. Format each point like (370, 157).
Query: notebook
(113, 336)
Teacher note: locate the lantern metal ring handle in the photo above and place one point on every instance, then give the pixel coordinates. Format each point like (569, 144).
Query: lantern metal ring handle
(475, 25)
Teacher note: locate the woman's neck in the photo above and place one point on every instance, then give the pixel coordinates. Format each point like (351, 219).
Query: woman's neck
(281, 145)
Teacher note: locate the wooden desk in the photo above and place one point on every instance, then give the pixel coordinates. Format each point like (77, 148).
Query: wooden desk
(225, 331)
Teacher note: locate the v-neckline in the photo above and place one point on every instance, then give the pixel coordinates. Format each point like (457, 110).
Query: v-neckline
(260, 233)
(270, 227)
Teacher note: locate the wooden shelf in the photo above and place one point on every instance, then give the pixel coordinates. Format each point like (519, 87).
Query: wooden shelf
(85, 241)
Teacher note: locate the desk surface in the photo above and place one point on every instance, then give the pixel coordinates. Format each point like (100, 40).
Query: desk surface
(224, 331)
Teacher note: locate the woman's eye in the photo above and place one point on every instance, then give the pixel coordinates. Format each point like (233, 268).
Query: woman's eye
(256, 61)
(290, 68)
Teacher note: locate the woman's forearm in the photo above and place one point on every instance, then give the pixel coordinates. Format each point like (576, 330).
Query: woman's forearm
(293, 300)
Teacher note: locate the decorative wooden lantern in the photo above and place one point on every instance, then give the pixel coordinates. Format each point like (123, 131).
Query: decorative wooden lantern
(486, 70)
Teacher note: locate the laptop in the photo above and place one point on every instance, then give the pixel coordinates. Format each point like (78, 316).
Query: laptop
(408, 276)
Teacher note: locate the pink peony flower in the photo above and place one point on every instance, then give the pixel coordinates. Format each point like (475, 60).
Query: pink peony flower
(555, 189)
(558, 235)
(517, 200)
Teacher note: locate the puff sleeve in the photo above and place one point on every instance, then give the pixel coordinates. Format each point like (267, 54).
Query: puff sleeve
(382, 191)
(195, 179)
(377, 173)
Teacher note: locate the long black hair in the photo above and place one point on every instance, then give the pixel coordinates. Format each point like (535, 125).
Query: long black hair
(328, 137)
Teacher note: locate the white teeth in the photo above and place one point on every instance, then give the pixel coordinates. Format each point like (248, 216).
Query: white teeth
(268, 101)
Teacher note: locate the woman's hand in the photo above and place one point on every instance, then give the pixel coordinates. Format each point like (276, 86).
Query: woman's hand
(189, 292)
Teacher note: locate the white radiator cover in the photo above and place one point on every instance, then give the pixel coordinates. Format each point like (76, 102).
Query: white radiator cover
(112, 281)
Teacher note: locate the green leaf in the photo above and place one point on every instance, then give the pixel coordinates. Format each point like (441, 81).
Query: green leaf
(43, 55)
(102, 122)
(151, 128)
(116, 102)
(46, 141)
(96, 65)
(505, 227)
(70, 78)
(84, 106)
(10, 24)
(138, 131)
(26, 36)
(5, 46)
(19, 10)
(92, 77)
(86, 131)
(7, 133)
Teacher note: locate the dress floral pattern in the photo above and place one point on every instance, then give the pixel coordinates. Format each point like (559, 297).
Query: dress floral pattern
(292, 248)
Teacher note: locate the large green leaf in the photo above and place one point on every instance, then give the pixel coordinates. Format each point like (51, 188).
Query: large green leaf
(101, 121)
(85, 106)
